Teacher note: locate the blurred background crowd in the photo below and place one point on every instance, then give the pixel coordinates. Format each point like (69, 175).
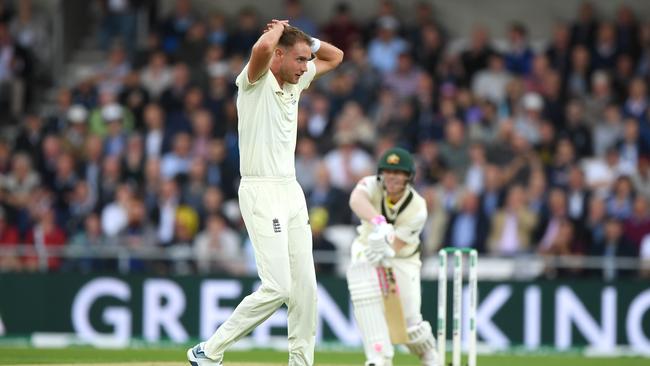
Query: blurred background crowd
(522, 148)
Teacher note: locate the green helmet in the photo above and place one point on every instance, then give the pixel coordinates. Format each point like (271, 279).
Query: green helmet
(397, 158)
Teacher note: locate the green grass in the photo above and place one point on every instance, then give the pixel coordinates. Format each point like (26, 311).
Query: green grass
(87, 356)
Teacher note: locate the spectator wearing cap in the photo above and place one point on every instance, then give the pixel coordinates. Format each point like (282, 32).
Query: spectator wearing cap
(97, 123)
(116, 138)
(528, 123)
(385, 48)
(74, 136)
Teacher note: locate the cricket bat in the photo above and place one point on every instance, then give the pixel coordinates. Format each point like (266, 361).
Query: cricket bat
(392, 306)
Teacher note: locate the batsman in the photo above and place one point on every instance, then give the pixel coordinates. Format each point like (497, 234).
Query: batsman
(384, 274)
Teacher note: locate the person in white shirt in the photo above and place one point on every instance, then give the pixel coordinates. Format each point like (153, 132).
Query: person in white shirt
(392, 217)
(272, 202)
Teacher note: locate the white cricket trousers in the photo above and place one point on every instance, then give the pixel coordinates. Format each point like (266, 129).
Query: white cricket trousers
(275, 213)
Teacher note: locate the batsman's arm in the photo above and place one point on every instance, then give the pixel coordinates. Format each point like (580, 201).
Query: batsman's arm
(327, 58)
(262, 51)
(361, 205)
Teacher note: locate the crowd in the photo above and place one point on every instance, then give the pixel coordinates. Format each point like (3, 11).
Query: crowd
(520, 149)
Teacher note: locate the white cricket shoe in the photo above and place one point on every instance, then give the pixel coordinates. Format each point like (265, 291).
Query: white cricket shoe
(197, 357)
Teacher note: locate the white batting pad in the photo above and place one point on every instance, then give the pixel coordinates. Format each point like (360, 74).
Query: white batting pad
(369, 312)
(421, 340)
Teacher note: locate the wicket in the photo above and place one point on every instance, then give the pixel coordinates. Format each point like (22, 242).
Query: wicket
(457, 304)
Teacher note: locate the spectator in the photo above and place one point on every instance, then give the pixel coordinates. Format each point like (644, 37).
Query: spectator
(605, 49)
(519, 56)
(454, 150)
(583, 29)
(559, 51)
(620, 201)
(578, 195)
(491, 83)
(137, 234)
(156, 76)
(119, 20)
(174, 27)
(133, 160)
(386, 46)
(512, 226)
(577, 130)
(218, 248)
(328, 197)
(294, 11)
(15, 74)
(613, 244)
(307, 161)
(179, 159)
(245, 34)
(577, 82)
(164, 212)
(341, 30)
(31, 32)
(116, 136)
(468, 226)
(47, 238)
(318, 219)
(76, 132)
(637, 226)
(114, 216)
(476, 57)
(134, 97)
(608, 131)
(88, 240)
(193, 46)
(405, 78)
(347, 163)
(9, 240)
(18, 186)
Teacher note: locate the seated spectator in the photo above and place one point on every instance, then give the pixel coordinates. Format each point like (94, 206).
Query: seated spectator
(613, 244)
(637, 226)
(519, 56)
(341, 30)
(620, 201)
(9, 241)
(47, 238)
(138, 234)
(490, 83)
(318, 219)
(18, 187)
(89, 240)
(347, 164)
(512, 226)
(179, 159)
(467, 227)
(114, 217)
(386, 46)
(323, 194)
(156, 76)
(217, 249)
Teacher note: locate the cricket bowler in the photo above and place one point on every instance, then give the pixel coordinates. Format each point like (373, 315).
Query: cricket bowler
(392, 216)
(272, 202)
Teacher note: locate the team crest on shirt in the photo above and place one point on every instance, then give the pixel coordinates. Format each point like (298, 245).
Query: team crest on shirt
(392, 159)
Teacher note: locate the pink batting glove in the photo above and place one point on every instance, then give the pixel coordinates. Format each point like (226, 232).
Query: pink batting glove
(378, 220)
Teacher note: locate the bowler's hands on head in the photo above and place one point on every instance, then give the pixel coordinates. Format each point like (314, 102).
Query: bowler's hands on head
(276, 24)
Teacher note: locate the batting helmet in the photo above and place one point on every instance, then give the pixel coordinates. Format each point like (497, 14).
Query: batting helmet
(397, 158)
